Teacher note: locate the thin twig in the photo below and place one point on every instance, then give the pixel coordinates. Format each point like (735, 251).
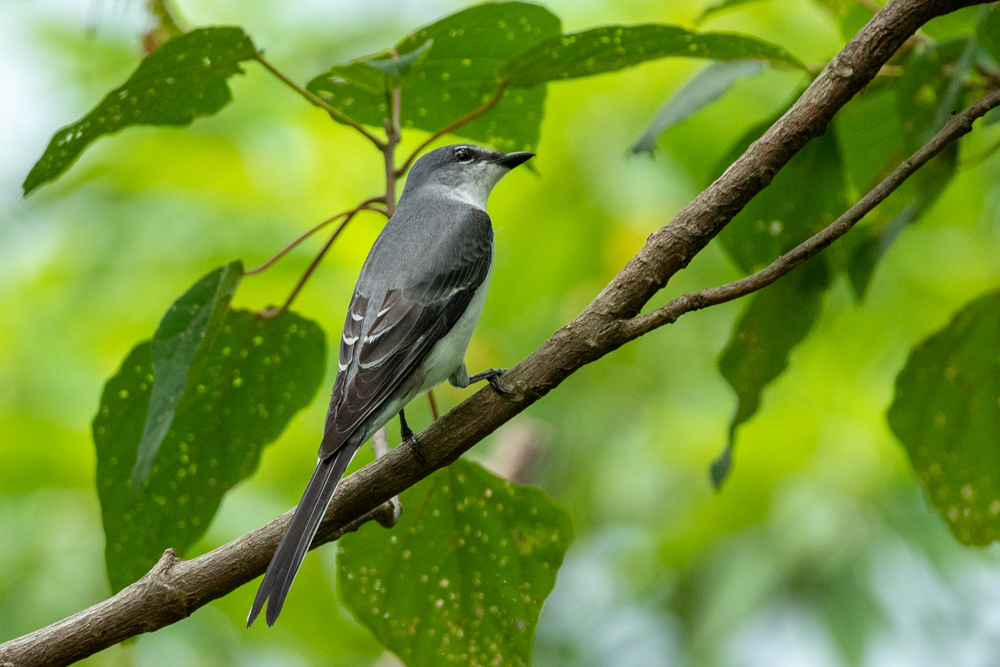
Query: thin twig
(334, 112)
(467, 118)
(959, 125)
(434, 405)
(366, 205)
(272, 312)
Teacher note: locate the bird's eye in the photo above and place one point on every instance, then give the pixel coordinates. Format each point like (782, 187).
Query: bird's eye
(463, 154)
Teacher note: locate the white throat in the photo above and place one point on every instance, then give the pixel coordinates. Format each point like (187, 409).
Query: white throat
(475, 189)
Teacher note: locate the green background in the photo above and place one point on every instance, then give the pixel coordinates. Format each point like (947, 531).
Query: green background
(819, 550)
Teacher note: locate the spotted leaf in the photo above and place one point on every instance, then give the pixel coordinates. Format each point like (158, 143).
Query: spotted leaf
(456, 71)
(612, 48)
(462, 577)
(180, 81)
(946, 412)
(258, 373)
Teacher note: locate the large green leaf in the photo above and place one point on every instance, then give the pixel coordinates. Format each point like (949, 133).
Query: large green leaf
(180, 81)
(946, 414)
(257, 375)
(461, 578)
(612, 48)
(808, 194)
(988, 30)
(882, 128)
(704, 88)
(777, 320)
(457, 73)
(179, 347)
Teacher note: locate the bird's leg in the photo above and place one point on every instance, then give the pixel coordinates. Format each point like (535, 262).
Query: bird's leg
(409, 436)
(492, 376)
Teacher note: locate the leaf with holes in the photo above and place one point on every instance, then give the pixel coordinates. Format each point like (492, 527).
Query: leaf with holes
(179, 348)
(451, 77)
(462, 577)
(946, 414)
(256, 376)
(612, 48)
(704, 88)
(180, 81)
(777, 319)
(808, 194)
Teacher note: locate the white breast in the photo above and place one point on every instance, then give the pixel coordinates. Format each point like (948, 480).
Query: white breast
(449, 352)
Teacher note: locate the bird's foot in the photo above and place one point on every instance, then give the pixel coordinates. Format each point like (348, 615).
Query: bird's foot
(492, 375)
(408, 436)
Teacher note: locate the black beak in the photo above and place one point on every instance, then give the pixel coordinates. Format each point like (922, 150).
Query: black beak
(511, 160)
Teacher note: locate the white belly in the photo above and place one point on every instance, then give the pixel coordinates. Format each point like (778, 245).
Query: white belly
(449, 352)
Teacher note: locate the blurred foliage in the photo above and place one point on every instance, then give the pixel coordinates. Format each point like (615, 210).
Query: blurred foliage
(946, 414)
(817, 551)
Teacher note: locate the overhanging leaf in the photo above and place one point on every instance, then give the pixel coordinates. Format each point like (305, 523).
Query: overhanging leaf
(454, 76)
(180, 81)
(808, 194)
(612, 48)
(988, 30)
(179, 348)
(704, 88)
(946, 414)
(257, 375)
(462, 577)
(777, 319)
(882, 128)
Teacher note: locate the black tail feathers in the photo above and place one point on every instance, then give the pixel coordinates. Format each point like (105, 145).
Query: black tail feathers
(299, 536)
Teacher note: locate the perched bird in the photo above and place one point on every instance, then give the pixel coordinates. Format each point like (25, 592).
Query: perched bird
(416, 302)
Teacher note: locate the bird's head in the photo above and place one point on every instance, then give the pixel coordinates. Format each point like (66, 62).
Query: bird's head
(462, 171)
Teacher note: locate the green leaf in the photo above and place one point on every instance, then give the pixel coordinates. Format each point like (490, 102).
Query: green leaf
(612, 48)
(808, 194)
(399, 66)
(720, 8)
(257, 375)
(180, 81)
(704, 88)
(452, 77)
(462, 577)
(777, 319)
(180, 345)
(988, 30)
(882, 128)
(945, 412)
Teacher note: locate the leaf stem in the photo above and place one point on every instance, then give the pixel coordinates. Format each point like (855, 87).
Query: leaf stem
(467, 118)
(271, 312)
(335, 113)
(365, 205)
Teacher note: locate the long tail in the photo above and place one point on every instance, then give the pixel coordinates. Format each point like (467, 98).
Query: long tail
(299, 536)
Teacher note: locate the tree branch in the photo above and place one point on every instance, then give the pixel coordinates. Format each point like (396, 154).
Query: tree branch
(958, 126)
(175, 588)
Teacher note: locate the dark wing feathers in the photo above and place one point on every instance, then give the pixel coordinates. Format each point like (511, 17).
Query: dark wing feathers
(409, 321)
